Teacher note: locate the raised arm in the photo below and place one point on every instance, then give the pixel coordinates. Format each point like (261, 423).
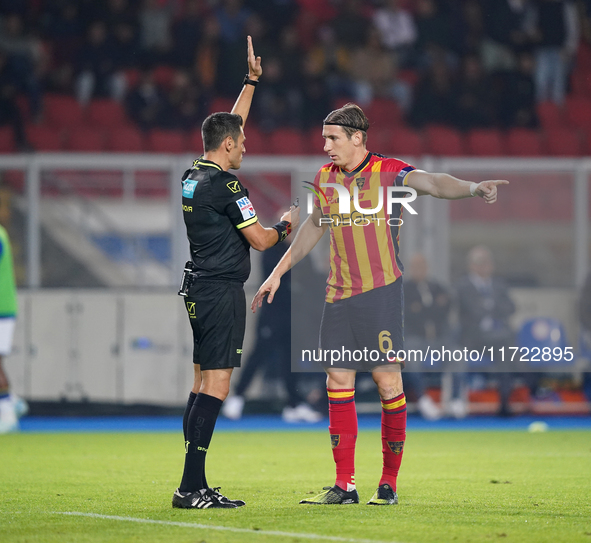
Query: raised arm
(447, 187)
(306, 239)
(242, 105)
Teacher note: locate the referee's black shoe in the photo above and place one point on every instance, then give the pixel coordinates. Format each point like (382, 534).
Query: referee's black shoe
(237, 503)
(205, 498)
(334, 495)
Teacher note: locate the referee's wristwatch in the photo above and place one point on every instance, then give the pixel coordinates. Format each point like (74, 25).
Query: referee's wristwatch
(247, 81)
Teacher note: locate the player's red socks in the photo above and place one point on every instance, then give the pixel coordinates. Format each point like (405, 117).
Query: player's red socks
(393, 436)
(342, 426)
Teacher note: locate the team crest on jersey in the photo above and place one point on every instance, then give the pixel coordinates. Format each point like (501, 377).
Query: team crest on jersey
(246, 208)
(396, 446)
(335, 439)
(360, 182)
(189, 186)
(234, 186)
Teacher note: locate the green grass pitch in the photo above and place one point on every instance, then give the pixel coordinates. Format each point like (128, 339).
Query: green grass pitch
(453, 487)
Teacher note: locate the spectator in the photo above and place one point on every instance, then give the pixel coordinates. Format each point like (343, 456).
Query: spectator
(556, 38)
(147, 104)
(473, 96)
(426, 312)
(155, 24)
(232, 17)
(397, 31)
(485, 307)
(9, 111)
(206, 62)
(187, 31)
(186, 102)
(433, 32)
(351, 25)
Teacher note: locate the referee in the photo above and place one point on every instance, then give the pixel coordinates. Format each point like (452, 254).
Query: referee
(222, 226)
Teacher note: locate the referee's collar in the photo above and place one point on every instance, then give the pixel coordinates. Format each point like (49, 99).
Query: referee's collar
(203, 162)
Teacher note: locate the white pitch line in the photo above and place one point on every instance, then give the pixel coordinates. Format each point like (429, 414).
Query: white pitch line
(220, 528)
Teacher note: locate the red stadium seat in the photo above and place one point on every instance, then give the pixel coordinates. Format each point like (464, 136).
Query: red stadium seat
(6, 140)
(106, 113)
(63, 111)
(287, 141)
(221, 104)
(578, 111)
(127, 140)
(166, 141)
(485, 142)
(523, 142)
(164, 76)
(196, 143)
(380, 141)
(45, 138)
(550, 115)
(383, 113)
(315, 141)
(444, 141)
(563, 142)
(256, 142)
(407, 142)
(86, 139)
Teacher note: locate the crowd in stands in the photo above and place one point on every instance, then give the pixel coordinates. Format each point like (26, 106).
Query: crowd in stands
(465, 64)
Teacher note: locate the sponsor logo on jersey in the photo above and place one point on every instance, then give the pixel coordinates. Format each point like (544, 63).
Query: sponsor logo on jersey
(234, 186)
(246, 208)
(189, 188)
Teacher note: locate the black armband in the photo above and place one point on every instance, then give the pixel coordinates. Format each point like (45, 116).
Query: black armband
(283, 230)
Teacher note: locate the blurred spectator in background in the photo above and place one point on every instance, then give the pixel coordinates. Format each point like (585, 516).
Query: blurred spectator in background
(95, 66)
(11, 407)
(556, 38)
(146, 104)
(484, 307)
(10, 113)
(373, 72)
(206, 62)
(26, 57)
(155, 22)
(426, 312)
(187, 32)
(474, 105)
(187, 104)
(397, 31)
(351, 25)
(468, 27)
(272, 351)
(585, 343)
(434, 33)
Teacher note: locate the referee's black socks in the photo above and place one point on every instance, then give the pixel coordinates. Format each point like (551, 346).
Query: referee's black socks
(199, 428)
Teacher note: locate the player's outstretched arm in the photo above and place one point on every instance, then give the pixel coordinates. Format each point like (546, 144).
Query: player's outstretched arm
(445, 186)
(242, 105)
(307, 237)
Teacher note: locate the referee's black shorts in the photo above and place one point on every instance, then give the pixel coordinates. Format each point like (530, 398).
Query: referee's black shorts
(217, 313)
(366, 329)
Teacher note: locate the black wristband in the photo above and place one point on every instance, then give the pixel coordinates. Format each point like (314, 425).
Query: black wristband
(247, 81)
(283, 230)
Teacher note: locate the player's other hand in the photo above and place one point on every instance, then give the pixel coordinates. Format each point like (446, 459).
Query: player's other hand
(292, 216)
(488, 190)
(269, 287)
(254, 63)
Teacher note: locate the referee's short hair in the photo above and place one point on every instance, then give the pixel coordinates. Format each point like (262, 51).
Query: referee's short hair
(351, 118)
(217, 127)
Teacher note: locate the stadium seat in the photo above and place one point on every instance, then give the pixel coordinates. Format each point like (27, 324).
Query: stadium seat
(164, 76)
(485, 142)
(287, 141)
(85, 139)
(407, 143)
(221, 104)
(106, 113)
(44, 138)
(443, 141)
(544, 333)
(578, 111)
(563, 142)
(381, 141)
(315, 141)
(256, 142)
(127, 140)
(524, 142)
(166, 141)
(6, 140)
(383, 113)
(63, 111)
(195, 143)
(550, 115)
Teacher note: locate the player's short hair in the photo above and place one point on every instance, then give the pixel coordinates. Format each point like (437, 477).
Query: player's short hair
(217, 127)
(351, 118)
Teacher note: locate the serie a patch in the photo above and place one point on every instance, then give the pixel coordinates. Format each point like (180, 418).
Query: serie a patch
(189, 186)
(335, 439)
(246, 208)
(396, 446)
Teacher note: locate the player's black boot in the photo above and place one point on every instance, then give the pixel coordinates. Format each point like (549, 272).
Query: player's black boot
(334, 495)
(384, 495)
(237, 503)
(202, 499)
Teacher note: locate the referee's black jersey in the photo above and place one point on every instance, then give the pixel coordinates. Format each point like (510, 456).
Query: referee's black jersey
(215, 208)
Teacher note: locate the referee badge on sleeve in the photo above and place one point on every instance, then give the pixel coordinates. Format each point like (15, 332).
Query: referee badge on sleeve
(246, 208)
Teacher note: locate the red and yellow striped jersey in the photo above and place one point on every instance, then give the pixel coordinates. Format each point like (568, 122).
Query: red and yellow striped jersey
(363, 246)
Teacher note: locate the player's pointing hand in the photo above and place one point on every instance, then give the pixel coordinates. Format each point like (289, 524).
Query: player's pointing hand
(254, 63)
(488, 190)
(269, 287)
